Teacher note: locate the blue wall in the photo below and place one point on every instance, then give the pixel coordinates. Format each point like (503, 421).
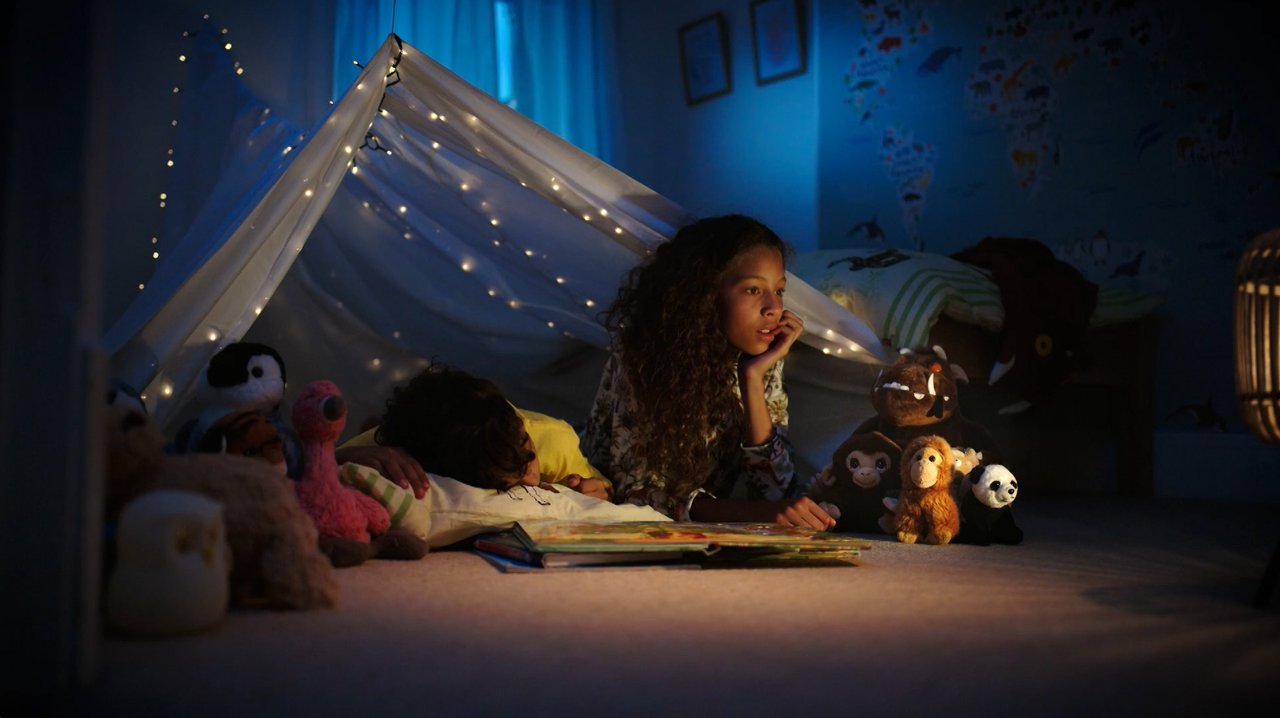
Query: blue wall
(1150, 122)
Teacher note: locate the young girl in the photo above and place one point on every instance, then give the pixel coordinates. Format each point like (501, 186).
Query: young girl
(691, 415)
(455, 424)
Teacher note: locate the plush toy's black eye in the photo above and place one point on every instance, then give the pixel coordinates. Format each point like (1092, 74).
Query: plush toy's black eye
(882, 464)
(995, 485)
(933, 458)
(1012, 490)
(854, 463)
(257, 372)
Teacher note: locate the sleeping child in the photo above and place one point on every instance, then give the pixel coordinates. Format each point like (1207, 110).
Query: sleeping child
(490, 463)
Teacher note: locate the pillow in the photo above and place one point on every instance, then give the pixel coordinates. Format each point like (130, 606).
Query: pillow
(901, 293)
(451, 510)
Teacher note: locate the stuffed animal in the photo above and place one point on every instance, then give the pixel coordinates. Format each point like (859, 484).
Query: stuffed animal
(171, 574)
(246, 433)
(242, 376)
(1047, 307)
(346, 518)
(863, 470)
(917, 396)
(275, 559)
(926, 511)
(986, 512)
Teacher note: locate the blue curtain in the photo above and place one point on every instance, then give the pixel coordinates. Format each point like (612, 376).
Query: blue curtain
(564, 72)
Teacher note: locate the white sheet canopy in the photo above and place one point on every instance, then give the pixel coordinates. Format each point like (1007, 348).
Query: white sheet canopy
(437, 224)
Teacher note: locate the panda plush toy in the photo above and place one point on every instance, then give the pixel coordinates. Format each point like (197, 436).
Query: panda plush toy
(986, 514)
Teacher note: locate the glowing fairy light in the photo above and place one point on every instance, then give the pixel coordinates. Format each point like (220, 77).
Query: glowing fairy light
(590, 302)
(494, 221)
(182, 58)
(403, 209)
(408, 235)
(464, 186)
(375, 363)
(617, 230)
(586, 218)
(257, 311)
(226, 46)
(167, 389)
(433, 116)
(213, 335)
(435, 145)
(307, 192)
(492, 292)
(604, 212)
(559, 280)
(466, 265)
(155, 255)
(355, 170)
(513, 304)
(528, 252)
(348, 149)
(551, 325)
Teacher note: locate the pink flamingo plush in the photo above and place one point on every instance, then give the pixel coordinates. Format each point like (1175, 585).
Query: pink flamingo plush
(338, 510)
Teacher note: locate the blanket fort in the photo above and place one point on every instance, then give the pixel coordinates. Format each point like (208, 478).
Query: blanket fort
(437, 223)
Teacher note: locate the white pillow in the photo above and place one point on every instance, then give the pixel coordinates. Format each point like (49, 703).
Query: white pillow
(451, 510)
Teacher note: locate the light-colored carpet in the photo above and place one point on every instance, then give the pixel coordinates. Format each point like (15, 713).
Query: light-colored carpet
(1111, 606)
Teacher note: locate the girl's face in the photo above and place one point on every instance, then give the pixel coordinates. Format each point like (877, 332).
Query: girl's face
(533, 472)
(750, 299)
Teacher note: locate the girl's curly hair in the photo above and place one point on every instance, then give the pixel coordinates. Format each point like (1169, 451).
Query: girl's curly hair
(456, 425)
(666, 321)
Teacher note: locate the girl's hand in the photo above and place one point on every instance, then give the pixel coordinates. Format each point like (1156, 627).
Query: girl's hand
(790, 327)
(392, 462)
(593, 487)
(803, 512)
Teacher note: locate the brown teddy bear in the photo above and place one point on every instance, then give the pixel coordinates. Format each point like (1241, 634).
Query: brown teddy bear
(275, 556)
(926, 511)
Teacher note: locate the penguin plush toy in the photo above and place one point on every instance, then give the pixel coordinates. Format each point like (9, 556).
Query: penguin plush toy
(242, 376)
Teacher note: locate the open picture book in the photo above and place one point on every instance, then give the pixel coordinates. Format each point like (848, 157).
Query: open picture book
(560, 544)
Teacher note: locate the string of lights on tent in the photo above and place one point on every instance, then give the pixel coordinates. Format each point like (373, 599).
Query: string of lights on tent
(437, 223)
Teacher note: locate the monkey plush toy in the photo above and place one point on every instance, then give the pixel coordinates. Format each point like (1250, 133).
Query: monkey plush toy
(926, 511)
(863, 470)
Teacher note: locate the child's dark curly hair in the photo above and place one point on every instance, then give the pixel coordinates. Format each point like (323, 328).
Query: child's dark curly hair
(666, 321)
(457, 425)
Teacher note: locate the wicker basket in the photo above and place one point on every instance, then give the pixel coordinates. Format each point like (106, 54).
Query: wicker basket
(1257, 333)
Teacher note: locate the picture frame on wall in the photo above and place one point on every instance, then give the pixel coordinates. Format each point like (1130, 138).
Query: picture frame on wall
(778, 39)
(704, 58)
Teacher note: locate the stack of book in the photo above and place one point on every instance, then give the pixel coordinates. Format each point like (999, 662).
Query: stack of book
(549, 544)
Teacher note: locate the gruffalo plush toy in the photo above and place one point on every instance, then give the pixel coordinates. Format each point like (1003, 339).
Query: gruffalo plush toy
(986, 513)
(862, 472)
(917, 396)
(926, 511)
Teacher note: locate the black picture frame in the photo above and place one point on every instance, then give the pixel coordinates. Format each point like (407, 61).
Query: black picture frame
(704, 58)
(778, 39)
